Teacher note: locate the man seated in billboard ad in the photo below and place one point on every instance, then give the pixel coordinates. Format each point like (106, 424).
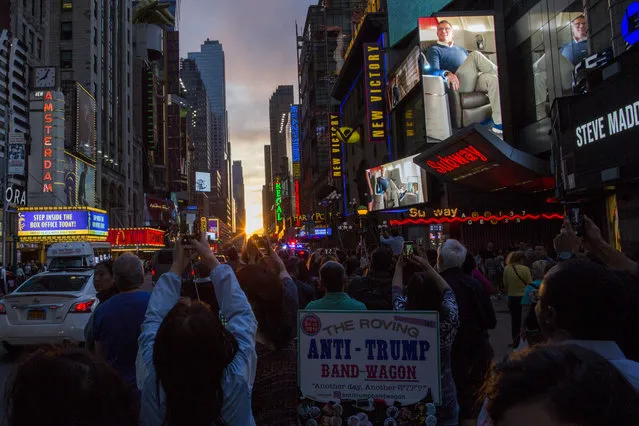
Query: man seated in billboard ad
(397, 184)
(460, 78)
(572, 34)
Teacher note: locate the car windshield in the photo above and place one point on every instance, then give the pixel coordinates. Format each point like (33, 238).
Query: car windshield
(53, 283)
(62, 263)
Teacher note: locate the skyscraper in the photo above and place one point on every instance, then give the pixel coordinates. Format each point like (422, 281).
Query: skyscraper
(279, 112)
(238, 193)
(267, 192)
(210, 61)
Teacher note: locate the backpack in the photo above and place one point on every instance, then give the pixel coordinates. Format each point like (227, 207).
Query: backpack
(375, 293)
(531, 320)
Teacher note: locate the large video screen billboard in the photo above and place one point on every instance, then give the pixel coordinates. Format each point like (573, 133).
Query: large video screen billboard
(202, 182)
(79, 182)
(458, 62)
(397, 184)
(403, 79)
(86, 130)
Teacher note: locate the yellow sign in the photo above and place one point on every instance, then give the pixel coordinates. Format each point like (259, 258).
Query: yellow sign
(373, 7)
(347, 135)
(336, 147)
(436, 213)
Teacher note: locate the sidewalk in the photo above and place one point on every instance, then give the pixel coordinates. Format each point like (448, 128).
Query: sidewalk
(500, 336)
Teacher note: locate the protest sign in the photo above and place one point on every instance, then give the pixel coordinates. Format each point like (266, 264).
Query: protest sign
(378, 365)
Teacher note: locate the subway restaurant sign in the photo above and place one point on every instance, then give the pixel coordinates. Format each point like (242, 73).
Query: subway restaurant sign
(374, 359)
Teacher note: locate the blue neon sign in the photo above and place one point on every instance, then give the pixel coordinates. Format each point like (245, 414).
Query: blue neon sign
(630, 24)
(295, 132)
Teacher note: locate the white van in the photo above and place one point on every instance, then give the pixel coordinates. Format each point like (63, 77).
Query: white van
(76, 255)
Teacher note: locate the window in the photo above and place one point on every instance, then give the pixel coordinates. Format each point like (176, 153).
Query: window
(24, 31)
(66, 30)
(67, 5)
(66, 59)
(31, 45)
(39, 49)
(95, 37)
(95, 9)
(41, 12)
(95, 64)
(33, 2)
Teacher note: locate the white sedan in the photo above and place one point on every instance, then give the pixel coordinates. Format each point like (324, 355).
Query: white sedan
(48, 308)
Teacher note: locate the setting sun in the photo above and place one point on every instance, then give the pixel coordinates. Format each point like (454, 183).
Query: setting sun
(253, 219)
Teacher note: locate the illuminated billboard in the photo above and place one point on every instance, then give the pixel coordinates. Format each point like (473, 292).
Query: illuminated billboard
(34, 223)
(403, 79)
(213, 228)
(295, 141)
(403, 15)
(278, 199)
(79, 182)
(86, 130)
(459, 74)
(336, 147)
(397, 184)
(374, 84)
(202, 182)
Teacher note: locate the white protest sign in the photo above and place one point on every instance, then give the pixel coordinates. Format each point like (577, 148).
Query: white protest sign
(368, 355)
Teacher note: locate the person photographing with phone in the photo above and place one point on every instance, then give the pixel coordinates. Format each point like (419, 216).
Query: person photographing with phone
(191, 369)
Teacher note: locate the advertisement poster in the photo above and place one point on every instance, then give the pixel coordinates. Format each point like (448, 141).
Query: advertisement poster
(368, 368)
(202, 182)
(397, 184)
(212, 229)
(63, 222)
(404, 79)
(459, 89)
(17, 154)
(79, 182)
(374, 85)
(85, 123)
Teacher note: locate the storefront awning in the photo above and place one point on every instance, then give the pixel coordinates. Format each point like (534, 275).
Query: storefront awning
(476, 157)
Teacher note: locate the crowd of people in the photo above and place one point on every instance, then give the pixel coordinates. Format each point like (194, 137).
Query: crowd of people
(216, 344)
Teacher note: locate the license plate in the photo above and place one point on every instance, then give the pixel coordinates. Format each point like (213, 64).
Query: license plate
(37, 314)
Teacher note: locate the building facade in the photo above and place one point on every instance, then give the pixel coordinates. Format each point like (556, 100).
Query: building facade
(279, 111)
(322, 47)
(91, 44)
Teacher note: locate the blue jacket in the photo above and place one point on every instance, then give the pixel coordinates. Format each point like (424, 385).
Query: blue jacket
(237, 382)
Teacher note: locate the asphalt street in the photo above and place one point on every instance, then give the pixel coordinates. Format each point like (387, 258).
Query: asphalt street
(500, 338)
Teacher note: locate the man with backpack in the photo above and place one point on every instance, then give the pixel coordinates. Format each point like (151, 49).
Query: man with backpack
(375, 290)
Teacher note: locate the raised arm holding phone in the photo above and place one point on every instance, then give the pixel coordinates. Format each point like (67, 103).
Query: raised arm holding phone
(191, 369)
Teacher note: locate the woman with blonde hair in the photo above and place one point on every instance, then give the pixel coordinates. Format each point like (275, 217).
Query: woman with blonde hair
(516, 277)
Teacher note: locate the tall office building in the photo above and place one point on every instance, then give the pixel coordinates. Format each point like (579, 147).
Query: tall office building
(210, 61)
(279, 109)
(91, 44)
(199, 128)
(238, 194)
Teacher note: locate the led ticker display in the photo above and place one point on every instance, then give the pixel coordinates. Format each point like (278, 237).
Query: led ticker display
(129, 237)
(278, 199)
(62, 222)
(374, 83)
(336, 147)
(47, 151)
(297, 197)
